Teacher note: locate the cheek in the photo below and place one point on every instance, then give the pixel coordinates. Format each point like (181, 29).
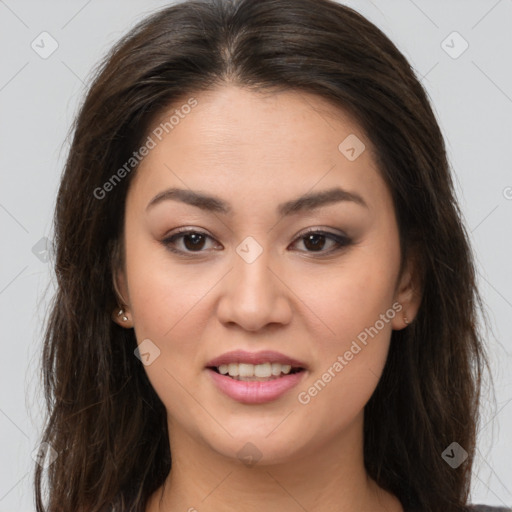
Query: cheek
(343, 301)
(335, 397)
(164, 293)
(349, 363)
(352, 341)
(169, 305)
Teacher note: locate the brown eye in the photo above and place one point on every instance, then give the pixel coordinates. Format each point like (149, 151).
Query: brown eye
(315, 241)
(191, 241)
(194, 241)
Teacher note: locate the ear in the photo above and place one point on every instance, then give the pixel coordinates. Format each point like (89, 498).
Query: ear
(408, 294)
(121, 315)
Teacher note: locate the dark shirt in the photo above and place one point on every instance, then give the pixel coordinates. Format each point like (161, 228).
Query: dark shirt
(486, 508)
(481, 508)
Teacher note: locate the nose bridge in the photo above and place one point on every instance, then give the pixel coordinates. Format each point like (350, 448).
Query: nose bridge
(253, 297)
(252, 277)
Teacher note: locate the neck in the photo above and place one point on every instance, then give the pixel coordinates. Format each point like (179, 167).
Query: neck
(329, 478)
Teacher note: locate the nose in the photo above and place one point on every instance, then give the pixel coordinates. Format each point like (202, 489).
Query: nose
(254, 294)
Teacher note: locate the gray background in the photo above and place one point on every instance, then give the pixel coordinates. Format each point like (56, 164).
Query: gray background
(472, 98)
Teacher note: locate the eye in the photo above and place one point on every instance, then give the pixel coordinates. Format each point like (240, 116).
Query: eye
(192, 240)
(314, 240)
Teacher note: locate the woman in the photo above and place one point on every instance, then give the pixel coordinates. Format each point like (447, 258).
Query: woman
(266, 296)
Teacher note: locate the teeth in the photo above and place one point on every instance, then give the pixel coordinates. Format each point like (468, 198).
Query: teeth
(245, 370)
(254, 370)
(278, 368)
(263, 370)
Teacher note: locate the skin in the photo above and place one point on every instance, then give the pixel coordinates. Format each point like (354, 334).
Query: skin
(256, 151)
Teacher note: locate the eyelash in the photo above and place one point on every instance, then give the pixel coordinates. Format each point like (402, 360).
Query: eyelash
(341, 241)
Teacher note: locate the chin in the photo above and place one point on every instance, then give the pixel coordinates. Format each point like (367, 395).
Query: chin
(258, 444)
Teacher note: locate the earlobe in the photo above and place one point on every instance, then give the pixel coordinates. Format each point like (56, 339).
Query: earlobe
(120, 317)
(402, 319)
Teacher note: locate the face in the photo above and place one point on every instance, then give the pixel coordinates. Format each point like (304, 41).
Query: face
(276, 257)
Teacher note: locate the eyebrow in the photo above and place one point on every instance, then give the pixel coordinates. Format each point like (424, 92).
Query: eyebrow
(214, 204)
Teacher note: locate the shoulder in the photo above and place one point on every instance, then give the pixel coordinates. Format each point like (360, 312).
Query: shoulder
(486, 508)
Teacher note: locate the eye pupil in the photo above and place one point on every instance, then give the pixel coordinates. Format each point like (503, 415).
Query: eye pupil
(315, 245)
(196, 238)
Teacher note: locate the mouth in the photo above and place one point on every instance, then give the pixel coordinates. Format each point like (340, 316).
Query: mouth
(255, 377)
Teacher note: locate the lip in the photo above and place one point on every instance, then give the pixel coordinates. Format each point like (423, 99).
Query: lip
(255, 392)
(263, 356)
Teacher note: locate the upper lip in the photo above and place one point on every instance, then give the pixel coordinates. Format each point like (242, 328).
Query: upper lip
(264, 356)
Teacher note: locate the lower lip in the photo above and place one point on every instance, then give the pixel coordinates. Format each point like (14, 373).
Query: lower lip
(255, 392)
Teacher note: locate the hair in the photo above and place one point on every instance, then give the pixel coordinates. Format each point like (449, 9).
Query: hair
(104, 419)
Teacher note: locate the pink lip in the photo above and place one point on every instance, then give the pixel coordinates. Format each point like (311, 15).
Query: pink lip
(255, 392)
(264, 356)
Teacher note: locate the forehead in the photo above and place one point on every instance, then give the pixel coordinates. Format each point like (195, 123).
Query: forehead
(237, 139)
(231, 120)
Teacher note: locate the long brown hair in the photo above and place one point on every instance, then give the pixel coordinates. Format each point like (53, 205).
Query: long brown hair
(105, 421)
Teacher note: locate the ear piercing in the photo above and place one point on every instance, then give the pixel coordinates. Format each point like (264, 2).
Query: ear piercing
(406, 320)
(124, 318)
